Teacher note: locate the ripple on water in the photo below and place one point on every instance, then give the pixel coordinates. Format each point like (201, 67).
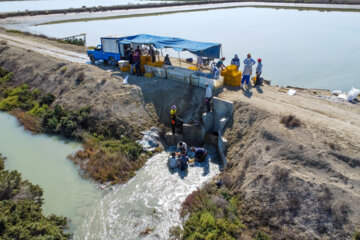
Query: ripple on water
(151, 200)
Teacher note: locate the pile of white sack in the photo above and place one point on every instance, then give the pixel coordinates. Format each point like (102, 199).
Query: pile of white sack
(350, 97)
(150, 140)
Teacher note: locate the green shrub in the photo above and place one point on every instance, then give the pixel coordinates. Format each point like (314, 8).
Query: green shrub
(9, 103)
(22, 218)
(357, 236)
(262, 236)
(38, 111)
(5, 76)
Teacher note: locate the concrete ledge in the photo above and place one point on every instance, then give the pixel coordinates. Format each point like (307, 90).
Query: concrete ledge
(222, 107)
(172, 140)
(193, 134)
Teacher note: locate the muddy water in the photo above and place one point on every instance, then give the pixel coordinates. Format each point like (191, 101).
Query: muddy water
(151, 199)
(302, 48)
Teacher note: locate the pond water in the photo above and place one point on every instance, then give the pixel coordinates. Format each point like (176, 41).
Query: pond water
(300, 48)
(151, 199)
(43, 160)
(14, 6)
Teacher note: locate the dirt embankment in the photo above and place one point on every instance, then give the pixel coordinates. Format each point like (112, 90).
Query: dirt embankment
(300, 183)
(115, 107)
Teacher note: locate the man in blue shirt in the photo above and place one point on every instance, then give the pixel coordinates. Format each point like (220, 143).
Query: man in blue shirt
(249, 62)
(236, 61)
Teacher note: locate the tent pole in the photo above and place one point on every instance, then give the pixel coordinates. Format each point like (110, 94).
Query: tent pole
(179, 59)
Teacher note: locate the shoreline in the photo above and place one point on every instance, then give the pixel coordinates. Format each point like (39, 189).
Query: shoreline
(329, 6)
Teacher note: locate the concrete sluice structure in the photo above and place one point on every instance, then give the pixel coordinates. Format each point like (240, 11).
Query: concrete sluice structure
(210, 131)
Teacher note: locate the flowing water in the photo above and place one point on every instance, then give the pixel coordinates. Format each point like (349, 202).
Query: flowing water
(150, 200)
(302, 48)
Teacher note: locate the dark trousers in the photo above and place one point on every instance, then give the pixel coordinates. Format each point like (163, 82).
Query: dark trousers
(208, 104)
(173, 128)
(257, 78)
(153, 58)
(137, 69)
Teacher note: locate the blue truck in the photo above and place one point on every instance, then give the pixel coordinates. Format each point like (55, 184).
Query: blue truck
(110, 51)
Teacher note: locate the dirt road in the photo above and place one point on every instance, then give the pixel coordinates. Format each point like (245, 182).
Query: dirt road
(44, 48)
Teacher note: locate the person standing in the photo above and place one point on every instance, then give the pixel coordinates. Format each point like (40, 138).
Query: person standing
(258, 72)
(236, 61)
(248, 63)
(138, 51)
(130, 59)
(167, 60)
(137, 62)
(173, 118)
(152, 53)
(199, 62)
(208, 97)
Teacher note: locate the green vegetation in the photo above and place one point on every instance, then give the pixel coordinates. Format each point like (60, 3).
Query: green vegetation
(5, 76)
(74, 41)
(212, 214)
(66, 123)
(20, 210)
(14, 31)
(357, 236)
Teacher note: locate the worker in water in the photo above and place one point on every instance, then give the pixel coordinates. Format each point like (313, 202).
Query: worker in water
(173, 118)
(167, 60)
(200, 154)
(137, 63)
(220, 64)
(138, 50)
(183, 163)
(182, 148)
(236, 61)
(152, 53)
(208, 97)
(258, 72)
(248, 63)
(172, 160)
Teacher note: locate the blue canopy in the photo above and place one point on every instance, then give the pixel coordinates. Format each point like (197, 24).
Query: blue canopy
(203, 49)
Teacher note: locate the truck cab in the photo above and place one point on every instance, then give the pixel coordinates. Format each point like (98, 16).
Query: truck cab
(110, 51)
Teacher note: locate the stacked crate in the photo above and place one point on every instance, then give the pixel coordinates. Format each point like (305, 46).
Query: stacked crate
(232, 76)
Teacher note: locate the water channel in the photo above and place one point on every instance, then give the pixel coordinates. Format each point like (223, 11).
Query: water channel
(150, 200)
(300, 48)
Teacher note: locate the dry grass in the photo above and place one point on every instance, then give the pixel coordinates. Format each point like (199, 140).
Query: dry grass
(29, 122)
(290, 121)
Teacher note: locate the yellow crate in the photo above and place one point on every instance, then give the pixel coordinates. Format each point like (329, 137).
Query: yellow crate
(149, 75)
(231, 68)
(192, 68)
(125, 69)
(223, 72)
(145, 59)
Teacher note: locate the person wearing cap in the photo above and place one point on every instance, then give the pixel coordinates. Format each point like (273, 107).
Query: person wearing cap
(258, 72)
(220, 63)
(236, 61)
(249, 62)
(173, 118)
(208, 97)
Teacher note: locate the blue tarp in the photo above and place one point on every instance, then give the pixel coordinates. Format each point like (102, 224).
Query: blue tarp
(203, 49)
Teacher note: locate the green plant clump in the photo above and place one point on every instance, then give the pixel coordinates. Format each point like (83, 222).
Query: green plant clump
(21, 213)
(19, 97)
(5, 76)
(212, 215)
(64, 122)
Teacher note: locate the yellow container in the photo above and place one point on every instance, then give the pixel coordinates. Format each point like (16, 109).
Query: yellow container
(145, 59)
(193, 68)
(254, 79)
(231, 68)
(149, 75)
(125, 69)
(223, 72)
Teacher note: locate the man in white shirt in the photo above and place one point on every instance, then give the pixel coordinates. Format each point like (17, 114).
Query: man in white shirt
(208, 97)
